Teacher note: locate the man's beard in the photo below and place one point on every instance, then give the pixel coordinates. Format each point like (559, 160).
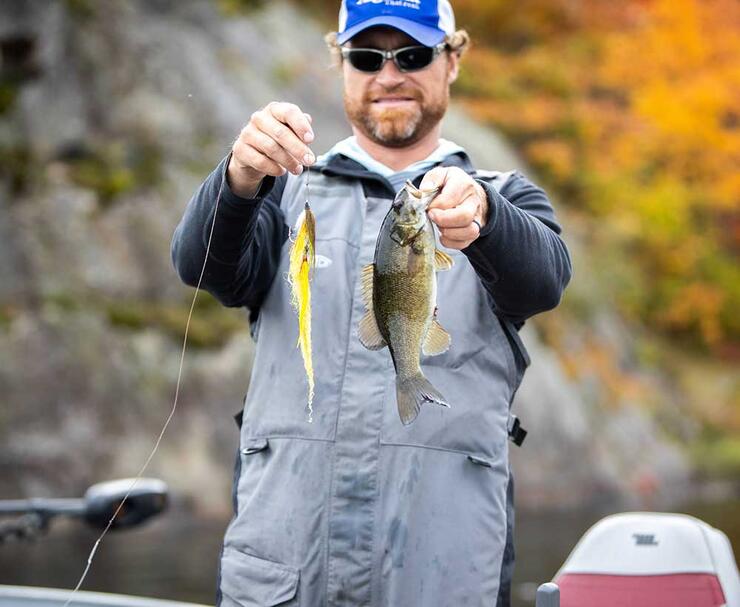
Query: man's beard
(396, 127)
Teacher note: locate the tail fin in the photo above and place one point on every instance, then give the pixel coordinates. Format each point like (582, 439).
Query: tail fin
(411, 392)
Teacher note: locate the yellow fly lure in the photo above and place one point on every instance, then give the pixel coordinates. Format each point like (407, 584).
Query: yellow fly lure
(300, 273)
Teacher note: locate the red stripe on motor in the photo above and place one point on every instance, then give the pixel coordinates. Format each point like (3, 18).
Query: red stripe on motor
(676, 590)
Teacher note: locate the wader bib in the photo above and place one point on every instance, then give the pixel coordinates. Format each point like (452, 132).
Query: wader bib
(356, 509)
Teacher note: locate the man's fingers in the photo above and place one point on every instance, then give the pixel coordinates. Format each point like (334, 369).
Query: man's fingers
(284, 137)
(455, 244)
(460, 235)
(434, 178)
(458, 186)
(292, 115)
(452, 181)
(274, 151)
(247, 156)
(460, 216)
(272, 142)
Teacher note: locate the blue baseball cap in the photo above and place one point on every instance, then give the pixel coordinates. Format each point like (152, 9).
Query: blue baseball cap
(427, 21)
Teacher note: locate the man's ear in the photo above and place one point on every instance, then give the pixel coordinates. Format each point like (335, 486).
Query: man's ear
(453, 67)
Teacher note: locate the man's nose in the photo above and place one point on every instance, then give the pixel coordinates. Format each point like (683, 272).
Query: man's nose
(390, 76)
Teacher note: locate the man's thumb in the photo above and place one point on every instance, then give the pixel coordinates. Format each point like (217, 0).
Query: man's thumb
(434, 179)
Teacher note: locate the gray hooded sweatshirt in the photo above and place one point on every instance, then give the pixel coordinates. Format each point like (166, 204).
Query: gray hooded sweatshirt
(356, 509)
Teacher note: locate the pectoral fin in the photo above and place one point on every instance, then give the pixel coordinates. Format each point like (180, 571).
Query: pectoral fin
(437, 340)
(442, 261)
(370, 336)
(367, 285)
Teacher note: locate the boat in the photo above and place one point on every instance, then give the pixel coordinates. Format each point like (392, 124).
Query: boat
(647, 559)
(638, 559)
(28, 596)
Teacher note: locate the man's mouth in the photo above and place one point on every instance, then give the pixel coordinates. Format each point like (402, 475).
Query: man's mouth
(393, 100)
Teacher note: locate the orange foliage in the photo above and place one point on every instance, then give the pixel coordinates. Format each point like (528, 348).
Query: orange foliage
(697, 304)
(594, 358)
(631, 111)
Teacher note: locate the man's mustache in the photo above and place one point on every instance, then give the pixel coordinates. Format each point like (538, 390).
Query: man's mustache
(396, 92)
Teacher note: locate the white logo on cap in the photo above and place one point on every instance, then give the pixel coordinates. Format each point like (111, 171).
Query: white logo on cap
(402, 3)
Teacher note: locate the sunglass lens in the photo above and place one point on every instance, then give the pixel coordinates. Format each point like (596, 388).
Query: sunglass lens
(415, 58)
(366, 61)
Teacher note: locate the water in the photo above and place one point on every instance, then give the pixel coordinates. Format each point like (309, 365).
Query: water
(176, 556)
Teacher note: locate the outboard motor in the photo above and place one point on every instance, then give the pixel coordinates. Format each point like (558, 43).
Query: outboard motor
(650, 560)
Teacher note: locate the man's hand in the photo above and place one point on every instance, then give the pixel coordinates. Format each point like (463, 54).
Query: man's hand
(460, 209)
(273, 142)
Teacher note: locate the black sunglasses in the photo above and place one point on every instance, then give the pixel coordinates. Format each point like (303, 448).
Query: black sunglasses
(407, 59)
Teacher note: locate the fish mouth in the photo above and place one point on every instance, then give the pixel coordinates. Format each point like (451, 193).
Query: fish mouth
(418, 193)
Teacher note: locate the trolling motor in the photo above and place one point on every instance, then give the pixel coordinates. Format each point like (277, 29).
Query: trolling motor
(148, 498)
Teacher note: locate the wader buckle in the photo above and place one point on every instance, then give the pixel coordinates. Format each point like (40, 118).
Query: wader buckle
(517, 434)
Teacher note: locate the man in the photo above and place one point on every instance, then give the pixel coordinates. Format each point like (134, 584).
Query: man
(356, 509)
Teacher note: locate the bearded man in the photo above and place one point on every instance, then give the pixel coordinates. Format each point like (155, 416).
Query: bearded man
(355, 508)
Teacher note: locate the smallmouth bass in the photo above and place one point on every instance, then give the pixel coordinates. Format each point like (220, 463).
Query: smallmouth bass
(400, 293)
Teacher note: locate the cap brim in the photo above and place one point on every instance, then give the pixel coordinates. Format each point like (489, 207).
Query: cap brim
(428, 36)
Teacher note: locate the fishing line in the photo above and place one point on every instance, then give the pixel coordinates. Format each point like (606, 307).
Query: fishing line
(174, 402)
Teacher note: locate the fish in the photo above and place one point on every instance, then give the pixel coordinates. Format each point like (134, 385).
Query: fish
(302, 262)
(399, 291)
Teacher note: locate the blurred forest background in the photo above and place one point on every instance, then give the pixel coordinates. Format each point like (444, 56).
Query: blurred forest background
(628, 113)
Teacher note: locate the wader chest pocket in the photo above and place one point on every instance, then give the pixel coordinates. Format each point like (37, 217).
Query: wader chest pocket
(249, 581)
(255, 445)
(479, 461)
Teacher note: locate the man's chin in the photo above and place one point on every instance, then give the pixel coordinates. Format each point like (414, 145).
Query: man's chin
(394, 139)
(393, 127)
(396, 131)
